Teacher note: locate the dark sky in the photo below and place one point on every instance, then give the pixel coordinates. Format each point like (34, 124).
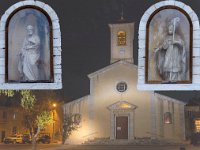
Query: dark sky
(86, 37)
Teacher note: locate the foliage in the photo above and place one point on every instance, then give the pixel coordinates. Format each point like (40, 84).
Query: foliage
(36, 114)
(28, 99)
(44, 119)
(68, 126)
(9, 93)
(31, 115)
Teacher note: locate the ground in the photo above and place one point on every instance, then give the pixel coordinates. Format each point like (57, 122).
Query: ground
(99, 147)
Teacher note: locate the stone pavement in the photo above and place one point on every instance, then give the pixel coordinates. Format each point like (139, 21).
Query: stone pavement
(121, 147)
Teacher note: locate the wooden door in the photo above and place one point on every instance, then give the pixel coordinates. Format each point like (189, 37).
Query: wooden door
(122, 127)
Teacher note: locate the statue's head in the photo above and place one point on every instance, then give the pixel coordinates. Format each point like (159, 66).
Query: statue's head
(173, 25)
(30, 29)
(170, 28)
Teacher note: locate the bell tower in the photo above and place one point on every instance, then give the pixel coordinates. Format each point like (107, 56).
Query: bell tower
(122, 35)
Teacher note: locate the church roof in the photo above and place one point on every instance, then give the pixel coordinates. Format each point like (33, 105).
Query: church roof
(194, 102)
(84, 98)
(107, 68)
(169, 98)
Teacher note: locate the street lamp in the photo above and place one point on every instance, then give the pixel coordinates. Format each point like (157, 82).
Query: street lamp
(54, 107)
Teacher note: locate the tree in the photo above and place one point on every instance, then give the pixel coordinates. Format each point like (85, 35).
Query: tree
(43, 120)
(31, 114)
(40, 117)
(37, 115)
(69, 125)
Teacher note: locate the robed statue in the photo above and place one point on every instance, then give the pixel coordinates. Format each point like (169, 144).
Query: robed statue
(170, 56)
(29, 56)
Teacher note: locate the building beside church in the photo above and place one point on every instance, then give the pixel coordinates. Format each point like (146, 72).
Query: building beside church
(12, 122)
(115, 109)
(192, 118)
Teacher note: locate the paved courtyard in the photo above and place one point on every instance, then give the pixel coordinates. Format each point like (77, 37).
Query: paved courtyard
(95, 147)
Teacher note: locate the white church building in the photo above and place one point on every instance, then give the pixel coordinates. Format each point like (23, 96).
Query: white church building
(115, 109)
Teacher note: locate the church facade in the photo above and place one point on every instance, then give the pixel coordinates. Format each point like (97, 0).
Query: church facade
(115, 109)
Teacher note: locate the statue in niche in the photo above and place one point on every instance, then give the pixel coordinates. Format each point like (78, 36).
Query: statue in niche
(170, 56)
(29, 56)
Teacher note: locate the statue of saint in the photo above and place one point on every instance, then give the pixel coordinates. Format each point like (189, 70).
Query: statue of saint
(170, 56)
(29, 57)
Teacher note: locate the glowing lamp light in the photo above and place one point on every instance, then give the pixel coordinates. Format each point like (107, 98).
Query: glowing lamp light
(54, 105)
(125, 106)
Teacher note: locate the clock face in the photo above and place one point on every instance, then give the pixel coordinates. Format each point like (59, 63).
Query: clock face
(122, 51)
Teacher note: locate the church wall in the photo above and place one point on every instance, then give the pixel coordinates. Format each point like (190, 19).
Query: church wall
(83, 132)
(171, 131)
(105, 94)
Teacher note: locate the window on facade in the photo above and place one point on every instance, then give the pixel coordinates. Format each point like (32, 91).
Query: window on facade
(121, 87)
(121, 36)
(168, 118)
(4, 115)
(14, 115)
(197, 125)
(77, 119)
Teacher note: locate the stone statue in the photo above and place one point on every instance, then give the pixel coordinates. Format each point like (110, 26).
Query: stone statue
(29, 56)
(170, 56)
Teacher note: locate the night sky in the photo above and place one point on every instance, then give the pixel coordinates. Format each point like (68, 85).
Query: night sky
(86, 38)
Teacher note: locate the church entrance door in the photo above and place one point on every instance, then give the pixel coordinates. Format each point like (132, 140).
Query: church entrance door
(122, 127)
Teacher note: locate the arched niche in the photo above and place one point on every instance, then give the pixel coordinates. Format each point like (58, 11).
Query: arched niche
(34, 64)
(153, 24)
(30, 30)
(167, 62)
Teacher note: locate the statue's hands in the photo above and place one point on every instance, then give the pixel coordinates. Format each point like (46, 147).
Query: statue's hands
(28, 47)
(31, 47)
(156, 49)
(177, 43)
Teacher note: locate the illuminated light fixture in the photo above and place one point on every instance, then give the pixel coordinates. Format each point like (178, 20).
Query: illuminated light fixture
(54, 105)
(125, 106)
(168, 118)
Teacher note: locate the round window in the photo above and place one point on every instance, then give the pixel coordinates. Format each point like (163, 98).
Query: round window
(121, 87)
